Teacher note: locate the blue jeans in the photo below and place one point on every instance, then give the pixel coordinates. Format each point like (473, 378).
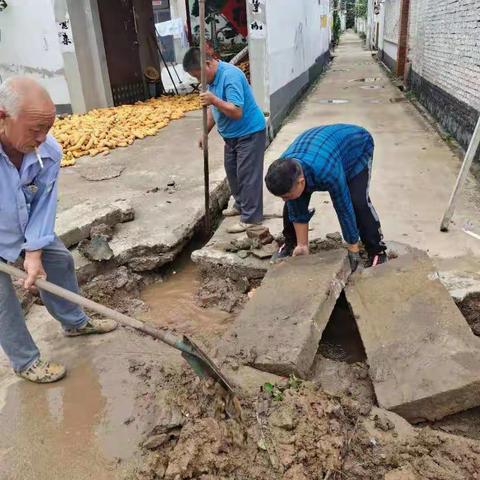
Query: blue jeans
(15, 339)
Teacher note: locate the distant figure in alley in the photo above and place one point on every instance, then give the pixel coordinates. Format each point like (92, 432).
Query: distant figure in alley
(336, 159)
(29, 168)
(241, 123)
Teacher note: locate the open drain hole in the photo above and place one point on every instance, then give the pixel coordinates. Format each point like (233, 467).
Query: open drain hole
(470, 308)
(367, 79)
(372, 87)
(341, 339)
(333, 101)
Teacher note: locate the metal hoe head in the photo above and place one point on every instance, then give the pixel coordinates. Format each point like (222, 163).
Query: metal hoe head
(202, 365)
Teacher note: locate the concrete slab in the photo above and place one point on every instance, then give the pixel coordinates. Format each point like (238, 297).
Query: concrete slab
(281, 326)
(422, 354)
(73, 225)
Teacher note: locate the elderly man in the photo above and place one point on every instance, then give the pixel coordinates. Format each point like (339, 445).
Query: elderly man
(242, 125)
(337, 159)
(28, 198)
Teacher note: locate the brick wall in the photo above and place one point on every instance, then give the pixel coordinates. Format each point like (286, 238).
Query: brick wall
(444, 52)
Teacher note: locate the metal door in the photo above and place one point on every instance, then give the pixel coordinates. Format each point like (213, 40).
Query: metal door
(119, 30)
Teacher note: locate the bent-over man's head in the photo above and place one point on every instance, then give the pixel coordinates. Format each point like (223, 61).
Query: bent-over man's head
(26, 114)
(285, 179)
(192, 64)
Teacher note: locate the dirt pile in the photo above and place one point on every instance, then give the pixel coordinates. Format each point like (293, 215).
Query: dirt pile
(295, 431)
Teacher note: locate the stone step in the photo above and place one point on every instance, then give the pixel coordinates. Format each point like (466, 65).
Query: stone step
(424, 359)
(281, 326)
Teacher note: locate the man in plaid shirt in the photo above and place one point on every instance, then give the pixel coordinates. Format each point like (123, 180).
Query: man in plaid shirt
(336, 159)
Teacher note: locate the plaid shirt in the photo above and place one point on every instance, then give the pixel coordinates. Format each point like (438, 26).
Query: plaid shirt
(330, 157)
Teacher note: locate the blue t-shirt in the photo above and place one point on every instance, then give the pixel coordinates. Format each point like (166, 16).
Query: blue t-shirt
(231, 85)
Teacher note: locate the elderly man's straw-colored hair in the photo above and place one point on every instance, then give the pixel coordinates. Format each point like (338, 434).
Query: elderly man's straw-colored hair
(15, 89)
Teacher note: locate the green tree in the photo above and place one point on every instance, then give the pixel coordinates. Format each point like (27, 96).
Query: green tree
(361, 8)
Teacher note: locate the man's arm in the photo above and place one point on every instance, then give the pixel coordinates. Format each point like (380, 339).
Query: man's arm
(40, 228)
(300, 216)
(342, 202)
(227, 108)
(301, 231)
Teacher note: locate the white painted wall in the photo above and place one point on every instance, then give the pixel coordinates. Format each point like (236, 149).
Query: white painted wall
(390, 48)
(296, 38)
(29, 45)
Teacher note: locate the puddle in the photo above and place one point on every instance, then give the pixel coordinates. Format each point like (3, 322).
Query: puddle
(375, 101)
(397, 100)
(372, 87)
(341, 339)
(49, 428)
(333, 101)
(172, 304)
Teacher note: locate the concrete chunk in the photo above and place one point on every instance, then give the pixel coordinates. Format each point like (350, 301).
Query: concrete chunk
(280, 328)
(424, 359)
(74, 224)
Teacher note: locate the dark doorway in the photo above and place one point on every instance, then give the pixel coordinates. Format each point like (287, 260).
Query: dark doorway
(122, 50)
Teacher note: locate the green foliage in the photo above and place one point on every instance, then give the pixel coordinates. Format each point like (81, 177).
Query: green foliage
(277, 391)
(350, 6)
(337, 28)
(361, 8)
(212, 7)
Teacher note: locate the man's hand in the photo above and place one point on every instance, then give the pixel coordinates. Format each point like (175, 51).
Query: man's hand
(207, 99)
(34, 268)
(300, 250)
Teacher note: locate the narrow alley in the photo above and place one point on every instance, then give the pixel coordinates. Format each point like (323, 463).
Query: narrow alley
(221, 253)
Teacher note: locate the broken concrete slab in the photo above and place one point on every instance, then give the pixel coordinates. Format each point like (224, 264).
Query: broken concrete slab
(74, 224)
(281, 326)
(422, 354)
(96, 249)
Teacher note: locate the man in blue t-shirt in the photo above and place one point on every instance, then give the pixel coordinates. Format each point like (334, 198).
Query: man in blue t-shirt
(336, 159)
(242, 125)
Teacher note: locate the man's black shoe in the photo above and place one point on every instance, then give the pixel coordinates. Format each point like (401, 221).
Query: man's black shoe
(377, 259)
(283, 252)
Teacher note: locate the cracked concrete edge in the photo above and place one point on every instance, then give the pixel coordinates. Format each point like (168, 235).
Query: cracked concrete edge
(142, 257)
(73, 225)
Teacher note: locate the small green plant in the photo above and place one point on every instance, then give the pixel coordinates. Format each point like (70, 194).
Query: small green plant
(277, 391)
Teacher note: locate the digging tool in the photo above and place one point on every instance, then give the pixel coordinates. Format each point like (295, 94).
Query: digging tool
(198, 360)
(203, 81)
(462, 176)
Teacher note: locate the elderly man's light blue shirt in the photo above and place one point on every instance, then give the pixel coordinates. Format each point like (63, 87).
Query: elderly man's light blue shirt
(28, 200)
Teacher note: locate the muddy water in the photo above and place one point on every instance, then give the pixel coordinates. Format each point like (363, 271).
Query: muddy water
(172, 305)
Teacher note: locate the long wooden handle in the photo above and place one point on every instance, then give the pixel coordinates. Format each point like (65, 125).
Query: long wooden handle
(125, 320)
(203, 80)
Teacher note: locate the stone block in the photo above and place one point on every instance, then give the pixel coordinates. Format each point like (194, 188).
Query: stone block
(280, 328)
(74, 224)
(423, 357)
